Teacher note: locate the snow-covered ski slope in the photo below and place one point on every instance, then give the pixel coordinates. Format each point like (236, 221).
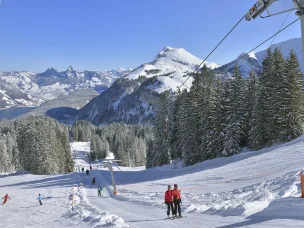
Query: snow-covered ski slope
(251, 189)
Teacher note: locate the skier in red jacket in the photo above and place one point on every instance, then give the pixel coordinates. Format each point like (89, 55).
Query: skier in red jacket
(177, 201)
(169, 201)
(6, 197)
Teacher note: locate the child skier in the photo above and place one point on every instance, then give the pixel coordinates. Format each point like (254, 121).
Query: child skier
(177, 201)
(100, 190)
(169, 201)
(6, 197)
(39, 198)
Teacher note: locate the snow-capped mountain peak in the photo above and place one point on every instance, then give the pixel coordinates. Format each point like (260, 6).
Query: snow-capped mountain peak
(164, 51)
(70, 69)
(170, 67)
(50, 72)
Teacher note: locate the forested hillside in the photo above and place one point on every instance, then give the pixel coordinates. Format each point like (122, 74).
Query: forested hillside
(37, 144)
(127, 142)
(217, 118)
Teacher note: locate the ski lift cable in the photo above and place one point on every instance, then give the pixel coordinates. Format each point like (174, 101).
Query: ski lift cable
(278, 30)
(198, 67)
(281, 30)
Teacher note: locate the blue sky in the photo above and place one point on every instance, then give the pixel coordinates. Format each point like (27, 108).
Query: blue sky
(106, 34)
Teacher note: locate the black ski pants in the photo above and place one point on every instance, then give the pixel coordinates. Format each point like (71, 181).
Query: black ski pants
(40, 202)
(170, 205)
(177, 207)
(99, 193)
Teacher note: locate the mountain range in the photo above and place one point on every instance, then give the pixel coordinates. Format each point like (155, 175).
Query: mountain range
(132, 99)
(21, 88)
(125, 95)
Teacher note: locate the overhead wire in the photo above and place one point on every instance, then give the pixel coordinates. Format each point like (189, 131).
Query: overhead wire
(198, 67)
(279, 29)
(242, 56)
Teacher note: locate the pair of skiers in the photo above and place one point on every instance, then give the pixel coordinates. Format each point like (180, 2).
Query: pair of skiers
(173, 201)
(100, 188)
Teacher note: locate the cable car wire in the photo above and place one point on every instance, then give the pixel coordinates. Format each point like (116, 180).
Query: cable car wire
(198, 67)
(242, 56)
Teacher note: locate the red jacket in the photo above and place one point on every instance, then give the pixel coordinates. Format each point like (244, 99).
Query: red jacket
(169, 196)
(176, 194)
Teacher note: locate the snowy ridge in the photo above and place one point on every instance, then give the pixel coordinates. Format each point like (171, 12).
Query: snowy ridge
(253, 61)
(171, 66)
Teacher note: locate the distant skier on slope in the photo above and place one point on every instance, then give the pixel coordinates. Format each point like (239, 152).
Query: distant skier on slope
(93, 180)
(6, 197)
(100, 190)
(177, 201)
(169, 201)
(39, 198)
(87, 171)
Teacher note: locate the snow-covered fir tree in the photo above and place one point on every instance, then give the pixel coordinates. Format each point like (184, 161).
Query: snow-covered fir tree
(234, 108)
(292, 107)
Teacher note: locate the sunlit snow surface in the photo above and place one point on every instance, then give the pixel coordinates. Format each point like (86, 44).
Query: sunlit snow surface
(252, 189)
(171, 67)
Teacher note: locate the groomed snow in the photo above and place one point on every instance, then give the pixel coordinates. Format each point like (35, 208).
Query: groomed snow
(251, 189)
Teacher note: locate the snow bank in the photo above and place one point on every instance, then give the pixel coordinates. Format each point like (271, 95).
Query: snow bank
(89, 214)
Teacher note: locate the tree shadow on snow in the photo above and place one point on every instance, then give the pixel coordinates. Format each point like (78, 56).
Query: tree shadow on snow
(286, 208)
(48, 181)
(144, 220)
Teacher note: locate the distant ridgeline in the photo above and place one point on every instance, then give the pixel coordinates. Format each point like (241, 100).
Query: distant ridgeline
(127, 142)
(217, 118)
(37, 144)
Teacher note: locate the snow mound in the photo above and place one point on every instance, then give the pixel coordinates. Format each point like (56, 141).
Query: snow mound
(90, 214)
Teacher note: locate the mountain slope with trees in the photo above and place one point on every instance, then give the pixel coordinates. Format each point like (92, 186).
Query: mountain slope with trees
(218, 118)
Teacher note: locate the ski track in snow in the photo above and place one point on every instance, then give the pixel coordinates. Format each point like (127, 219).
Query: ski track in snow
(251, 189)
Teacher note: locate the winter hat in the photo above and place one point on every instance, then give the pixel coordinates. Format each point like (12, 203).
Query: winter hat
(169, 186)
(175, 185)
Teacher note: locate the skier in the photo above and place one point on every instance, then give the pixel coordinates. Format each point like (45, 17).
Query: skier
(93, 180)
(82, 169)
(87, 171)
(6, 197)
(90, 167)
(100, 190)
(177, 201)
(169, 201)
(39, 198)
